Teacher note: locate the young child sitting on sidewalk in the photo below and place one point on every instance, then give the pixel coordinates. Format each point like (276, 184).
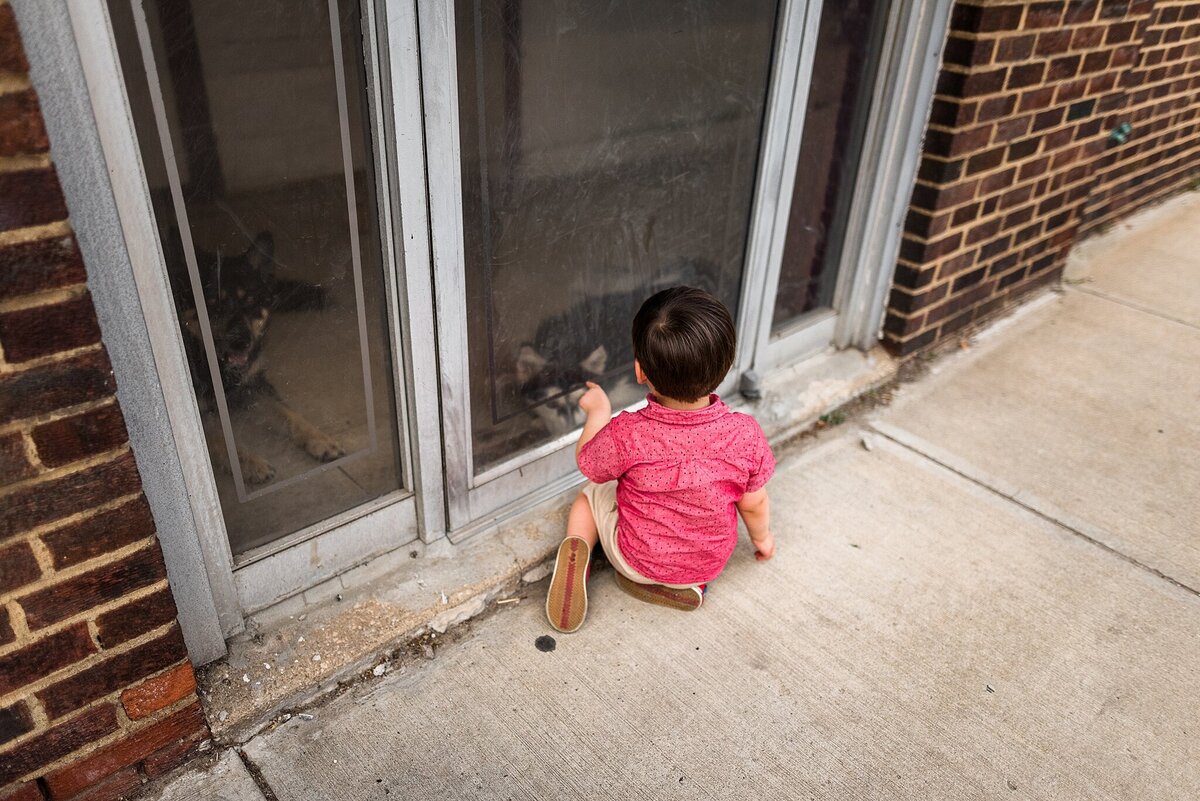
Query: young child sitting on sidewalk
(664, 481)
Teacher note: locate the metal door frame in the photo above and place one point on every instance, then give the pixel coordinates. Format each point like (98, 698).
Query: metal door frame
(285, 567)
(910, 56)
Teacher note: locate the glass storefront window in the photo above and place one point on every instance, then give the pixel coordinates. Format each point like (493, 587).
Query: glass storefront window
(609, 150)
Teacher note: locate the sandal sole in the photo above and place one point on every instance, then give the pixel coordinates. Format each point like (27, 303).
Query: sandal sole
(566, 602)
(683, 600)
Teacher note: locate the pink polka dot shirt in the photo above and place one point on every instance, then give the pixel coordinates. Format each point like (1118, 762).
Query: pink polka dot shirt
(679, 475)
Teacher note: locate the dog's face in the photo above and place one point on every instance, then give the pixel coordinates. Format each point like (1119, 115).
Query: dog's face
(239, 295)
(553, 392)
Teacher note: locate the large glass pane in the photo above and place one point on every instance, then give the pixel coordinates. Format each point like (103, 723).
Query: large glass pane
(839, 94)
(608, 151)
(252, 118)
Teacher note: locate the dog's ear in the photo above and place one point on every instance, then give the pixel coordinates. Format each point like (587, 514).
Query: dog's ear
(530, 364)
(261, 255)
(596, 361)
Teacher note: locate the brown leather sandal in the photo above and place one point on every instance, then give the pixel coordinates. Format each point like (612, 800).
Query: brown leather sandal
(566, 603)
(688, 599)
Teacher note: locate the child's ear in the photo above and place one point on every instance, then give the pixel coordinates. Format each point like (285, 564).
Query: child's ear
(637, 371)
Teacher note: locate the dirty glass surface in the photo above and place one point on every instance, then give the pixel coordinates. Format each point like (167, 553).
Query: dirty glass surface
(843, 75)
(252, 119)
(608, 151)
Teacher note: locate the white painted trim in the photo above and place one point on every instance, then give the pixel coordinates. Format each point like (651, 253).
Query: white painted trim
(102, 72)
(784, 128)
(912, 57)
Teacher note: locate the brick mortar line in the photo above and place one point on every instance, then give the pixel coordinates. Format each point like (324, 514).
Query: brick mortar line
(32, 636)
(14, 82)
(961, 471)
(912, 315)
(76, 517)
(8, 368)
(78, 466)
(29, 423)
(67, 671)
(970, 225)
(30, 448)
(33, 233)
(1030, 182)
(44, 298)
(1111, 176)
(16, 619)
(965, 248)
(1185, 94)
(1000, 94)
(1116, 179)
(25, 162)
(1186, 170)
(1005, 294)
(991, 66)
(35, 635)
(44, 559)
(1010, 296)
(1183, 123)
(74, 571)
(125, 728)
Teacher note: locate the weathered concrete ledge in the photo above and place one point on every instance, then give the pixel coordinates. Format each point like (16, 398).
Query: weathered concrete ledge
(373, 618)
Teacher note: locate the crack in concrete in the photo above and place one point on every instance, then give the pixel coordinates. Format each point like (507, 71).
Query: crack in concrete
(915, 445)
(256, 773)
(1133, 304)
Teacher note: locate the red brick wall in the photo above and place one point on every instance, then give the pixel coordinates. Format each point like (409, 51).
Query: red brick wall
(1017, 161)
(95, 687)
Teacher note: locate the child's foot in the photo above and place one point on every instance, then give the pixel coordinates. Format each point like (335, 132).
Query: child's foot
(566, 603)
(687, 600)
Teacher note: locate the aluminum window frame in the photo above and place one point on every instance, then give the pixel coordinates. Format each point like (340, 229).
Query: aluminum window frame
(906, 70)
(261, 577)
(476, 501)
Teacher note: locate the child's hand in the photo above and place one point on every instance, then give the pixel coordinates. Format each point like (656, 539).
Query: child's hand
(595, 401)
(764, 549)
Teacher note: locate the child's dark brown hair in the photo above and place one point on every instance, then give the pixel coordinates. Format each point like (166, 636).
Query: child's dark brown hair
(685, 340)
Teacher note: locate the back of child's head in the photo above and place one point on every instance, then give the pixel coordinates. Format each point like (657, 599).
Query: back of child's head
(684, 340)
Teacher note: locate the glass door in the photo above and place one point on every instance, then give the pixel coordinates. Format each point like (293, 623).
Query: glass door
(835, 104)
(584, 156)
(253, 121)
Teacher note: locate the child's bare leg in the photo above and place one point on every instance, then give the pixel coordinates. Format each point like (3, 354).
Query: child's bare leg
(566, 601)
(581, 523)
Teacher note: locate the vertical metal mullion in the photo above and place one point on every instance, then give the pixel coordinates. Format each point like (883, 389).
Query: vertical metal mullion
(891, 150)
(374, 50)
(782, 134)
(439, 91)
(411, 238)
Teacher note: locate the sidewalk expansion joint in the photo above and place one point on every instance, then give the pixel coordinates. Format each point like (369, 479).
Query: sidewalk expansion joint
(256, 773)
(1133, 304)
(1014, 495)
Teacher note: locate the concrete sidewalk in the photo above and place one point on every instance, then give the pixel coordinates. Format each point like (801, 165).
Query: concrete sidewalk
(987, 589)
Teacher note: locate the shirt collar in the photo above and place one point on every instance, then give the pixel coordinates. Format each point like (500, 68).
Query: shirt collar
(656, 411)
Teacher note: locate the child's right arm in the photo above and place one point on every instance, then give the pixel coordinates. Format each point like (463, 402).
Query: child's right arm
(598, 409)
(755, 509)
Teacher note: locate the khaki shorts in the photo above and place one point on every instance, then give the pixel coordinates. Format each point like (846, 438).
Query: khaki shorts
(602, 498)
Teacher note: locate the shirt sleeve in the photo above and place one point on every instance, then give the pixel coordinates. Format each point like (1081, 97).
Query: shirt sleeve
(601, 459)
(762, 473)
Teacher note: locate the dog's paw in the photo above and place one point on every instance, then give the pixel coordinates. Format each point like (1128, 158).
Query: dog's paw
(322, 447)
(255, 469)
